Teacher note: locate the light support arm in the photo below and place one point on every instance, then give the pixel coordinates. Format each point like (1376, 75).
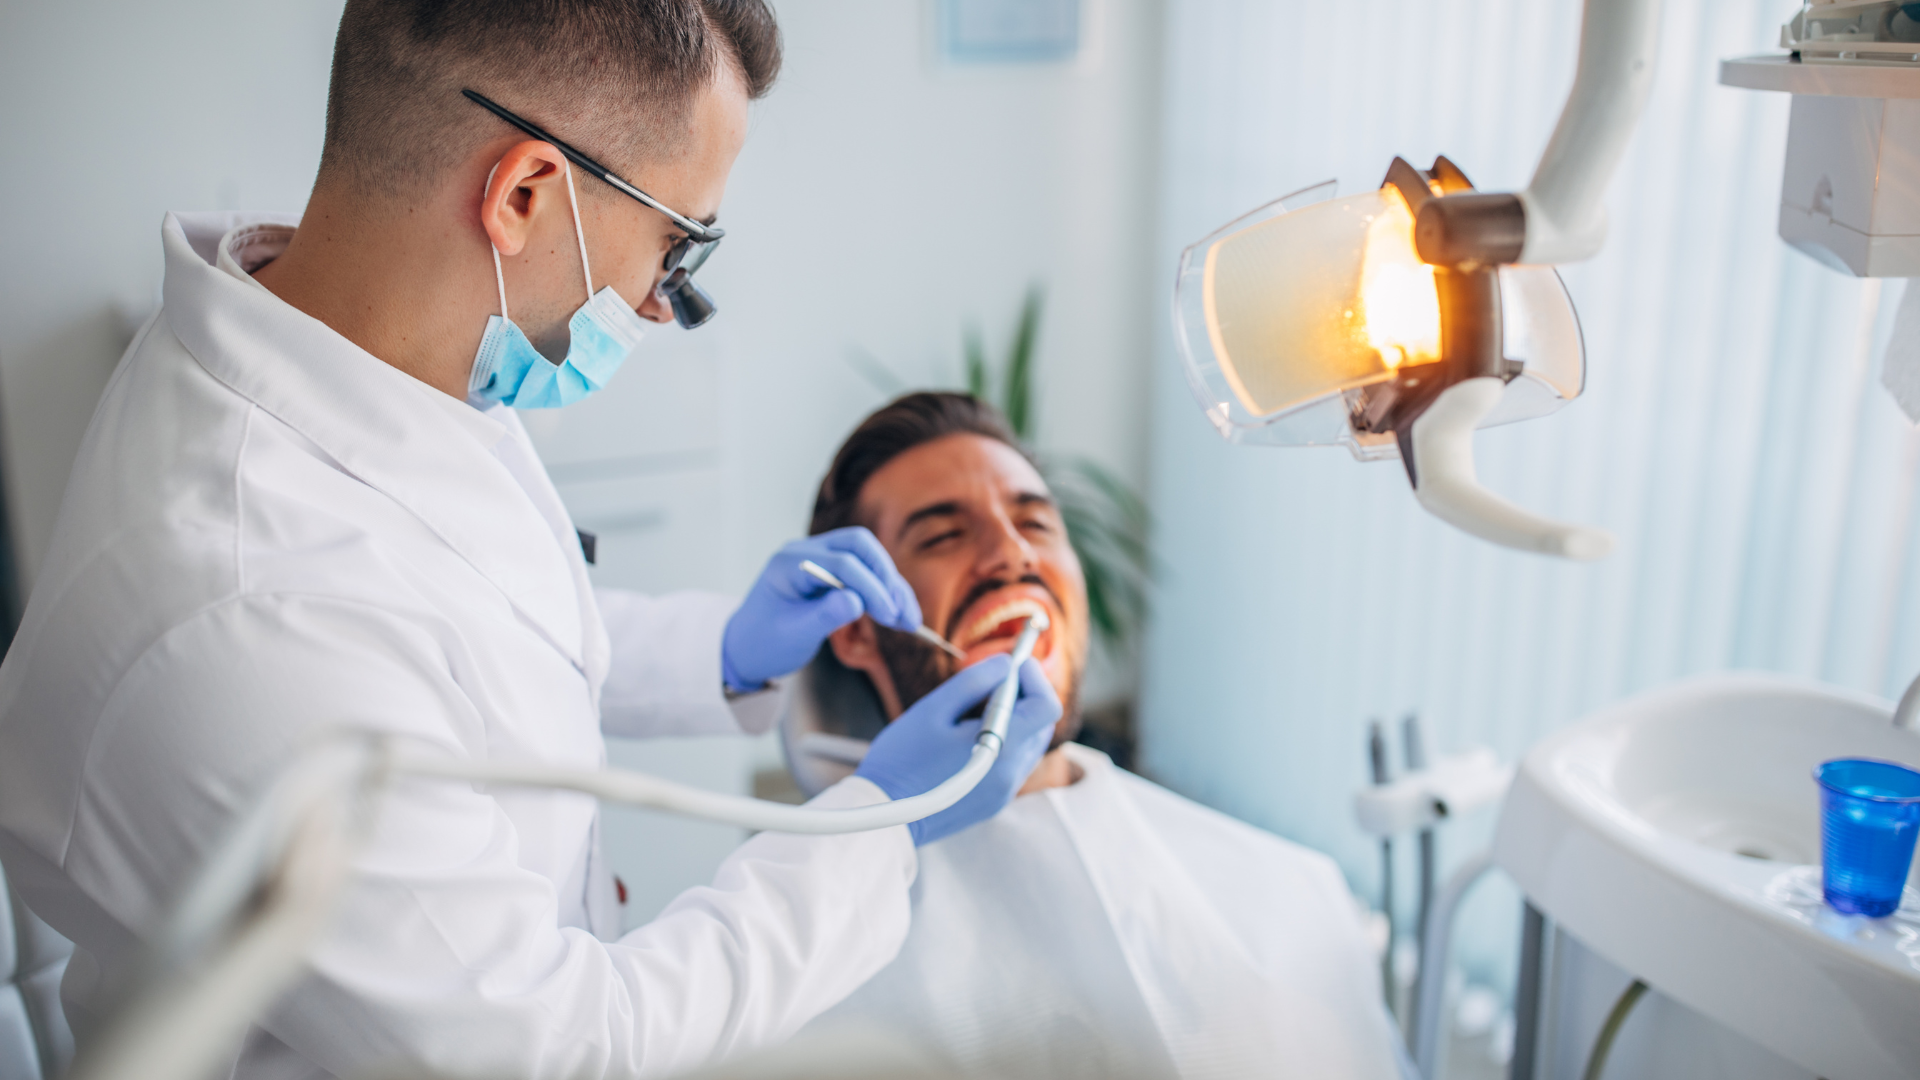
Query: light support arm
(1566, 218)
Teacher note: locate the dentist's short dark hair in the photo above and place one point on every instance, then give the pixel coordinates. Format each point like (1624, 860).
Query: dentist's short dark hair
(898, 427)
(616, 78)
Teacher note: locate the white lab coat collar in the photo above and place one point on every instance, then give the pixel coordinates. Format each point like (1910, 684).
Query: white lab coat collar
(427, 451)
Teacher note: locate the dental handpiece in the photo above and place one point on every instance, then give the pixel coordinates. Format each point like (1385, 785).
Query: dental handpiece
(1000, 705)
(924, 632)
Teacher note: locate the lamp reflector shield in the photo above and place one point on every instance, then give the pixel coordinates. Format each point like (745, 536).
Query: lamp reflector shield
(1281, 314)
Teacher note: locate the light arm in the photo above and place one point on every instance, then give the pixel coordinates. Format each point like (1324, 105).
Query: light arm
(1566, 219)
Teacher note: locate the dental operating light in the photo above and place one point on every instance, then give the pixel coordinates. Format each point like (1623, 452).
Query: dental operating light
(1398, 321)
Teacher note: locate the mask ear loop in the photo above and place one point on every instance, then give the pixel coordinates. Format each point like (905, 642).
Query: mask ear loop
(579, 234)
(499, 278)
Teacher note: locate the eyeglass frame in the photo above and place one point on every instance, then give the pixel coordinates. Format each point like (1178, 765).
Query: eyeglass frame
(706, 236)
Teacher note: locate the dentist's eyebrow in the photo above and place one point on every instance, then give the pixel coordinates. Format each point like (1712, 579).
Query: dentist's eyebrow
(945, 509)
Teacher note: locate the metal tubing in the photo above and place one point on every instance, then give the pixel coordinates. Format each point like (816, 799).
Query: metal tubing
(1528, 994)
(1415, 747)
(1433, 964)
(1377, 759)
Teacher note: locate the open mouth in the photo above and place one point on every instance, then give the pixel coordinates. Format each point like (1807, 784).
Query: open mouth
(1000, 621)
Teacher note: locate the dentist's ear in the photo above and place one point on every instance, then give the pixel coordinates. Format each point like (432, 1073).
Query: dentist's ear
(528, 180)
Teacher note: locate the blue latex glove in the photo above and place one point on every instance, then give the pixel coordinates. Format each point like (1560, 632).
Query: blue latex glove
(929, 742)
(789, 612)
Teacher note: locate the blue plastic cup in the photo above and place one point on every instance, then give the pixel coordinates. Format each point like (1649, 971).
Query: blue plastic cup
(1869, 817)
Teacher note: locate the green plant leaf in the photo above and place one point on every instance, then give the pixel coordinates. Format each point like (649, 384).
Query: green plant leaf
(1017, 402)
(1110, 529)
(976, 361)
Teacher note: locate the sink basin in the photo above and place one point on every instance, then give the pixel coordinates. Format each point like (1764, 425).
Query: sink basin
(1677, 835)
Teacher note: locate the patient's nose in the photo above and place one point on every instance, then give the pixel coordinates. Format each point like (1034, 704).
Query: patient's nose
(1005, 551)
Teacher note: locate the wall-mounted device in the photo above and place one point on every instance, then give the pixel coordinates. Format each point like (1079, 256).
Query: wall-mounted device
(1850, 196)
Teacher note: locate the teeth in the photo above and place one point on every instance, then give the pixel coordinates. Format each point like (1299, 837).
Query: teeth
(1012, 609)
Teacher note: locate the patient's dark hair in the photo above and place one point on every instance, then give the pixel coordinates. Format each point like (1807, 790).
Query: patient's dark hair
(898, 427)
(616, 78)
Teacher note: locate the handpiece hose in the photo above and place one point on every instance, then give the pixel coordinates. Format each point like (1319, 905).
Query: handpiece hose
(639, 789)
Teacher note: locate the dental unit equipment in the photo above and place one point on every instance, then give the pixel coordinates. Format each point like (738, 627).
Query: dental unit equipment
(1419, 802)
(1855, 124)
(242, 929)
(924, 632)
(1377, 762)
(1415, 749)
(1397, 321)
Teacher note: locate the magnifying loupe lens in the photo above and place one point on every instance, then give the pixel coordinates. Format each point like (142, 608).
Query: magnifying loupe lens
(691, 305)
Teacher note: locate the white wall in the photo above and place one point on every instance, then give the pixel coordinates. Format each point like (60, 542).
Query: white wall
(113, 113)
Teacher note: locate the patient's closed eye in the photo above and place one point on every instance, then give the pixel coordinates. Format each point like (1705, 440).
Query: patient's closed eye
(940, 538)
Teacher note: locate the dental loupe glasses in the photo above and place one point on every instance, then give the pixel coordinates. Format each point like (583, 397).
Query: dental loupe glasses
(692, 306)
(239, 935)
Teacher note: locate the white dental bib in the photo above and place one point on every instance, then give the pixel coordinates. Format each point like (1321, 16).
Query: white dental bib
(1114, 929)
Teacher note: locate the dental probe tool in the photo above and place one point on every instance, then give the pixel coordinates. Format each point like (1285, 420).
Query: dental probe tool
(923, 631)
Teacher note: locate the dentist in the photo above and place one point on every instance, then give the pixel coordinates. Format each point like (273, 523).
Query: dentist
(305, 502)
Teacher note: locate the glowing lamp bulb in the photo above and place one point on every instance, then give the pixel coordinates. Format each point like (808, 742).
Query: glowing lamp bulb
(1399, 305)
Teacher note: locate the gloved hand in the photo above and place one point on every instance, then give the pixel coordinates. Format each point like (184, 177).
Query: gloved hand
(929, 742)
(789, 612)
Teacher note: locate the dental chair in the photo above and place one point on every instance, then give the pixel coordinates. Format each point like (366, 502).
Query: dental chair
(34, 1041)
(832, 714)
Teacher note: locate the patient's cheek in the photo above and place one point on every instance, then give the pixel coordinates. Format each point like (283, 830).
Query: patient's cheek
(1060, 674)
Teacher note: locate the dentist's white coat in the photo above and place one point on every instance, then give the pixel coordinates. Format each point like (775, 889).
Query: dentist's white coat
(269, 531)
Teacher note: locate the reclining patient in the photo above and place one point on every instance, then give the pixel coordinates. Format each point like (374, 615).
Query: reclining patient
(1100, 925)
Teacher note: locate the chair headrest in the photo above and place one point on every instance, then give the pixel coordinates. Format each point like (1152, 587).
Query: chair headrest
(832, 714)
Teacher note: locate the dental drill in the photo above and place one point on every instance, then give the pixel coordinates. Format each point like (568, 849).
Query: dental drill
(240, 933)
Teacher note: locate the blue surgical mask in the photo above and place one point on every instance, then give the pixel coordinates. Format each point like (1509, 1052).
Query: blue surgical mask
(602, 334)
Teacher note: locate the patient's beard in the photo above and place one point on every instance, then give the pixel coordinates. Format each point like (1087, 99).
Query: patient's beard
(918, 667)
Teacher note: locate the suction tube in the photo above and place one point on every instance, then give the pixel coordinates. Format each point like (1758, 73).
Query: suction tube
(639, 789)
